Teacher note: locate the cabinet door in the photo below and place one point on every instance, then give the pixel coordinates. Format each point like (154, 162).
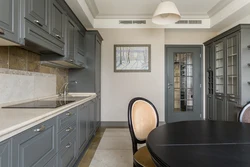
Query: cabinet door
(9, 20)
(232, 58)
(70, 44)
(80, 55)
(219, 68)
(220, 108)
(5, 153)
(35, 146)
(57, 21)
(82, 119)
(37, 11)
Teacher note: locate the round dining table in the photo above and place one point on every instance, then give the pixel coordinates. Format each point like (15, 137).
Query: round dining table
(200, 144)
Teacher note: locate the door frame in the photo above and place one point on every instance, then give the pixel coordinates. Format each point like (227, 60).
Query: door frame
(166, 78)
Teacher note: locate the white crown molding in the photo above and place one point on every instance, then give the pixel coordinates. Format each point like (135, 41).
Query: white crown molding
(218, 7)
(92, 7)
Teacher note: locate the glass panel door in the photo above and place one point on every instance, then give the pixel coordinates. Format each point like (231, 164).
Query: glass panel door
(232, 67)
(219, 68)
(183, 82)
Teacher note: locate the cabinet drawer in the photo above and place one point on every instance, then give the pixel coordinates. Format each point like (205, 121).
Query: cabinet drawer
(67, 153)
(69, 132)
(35, 146)
(5, 153)
(66, 119)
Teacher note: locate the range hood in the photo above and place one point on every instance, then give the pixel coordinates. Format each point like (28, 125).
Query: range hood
(61, 64)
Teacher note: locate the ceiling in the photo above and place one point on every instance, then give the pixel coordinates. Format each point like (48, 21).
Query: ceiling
(144, 8)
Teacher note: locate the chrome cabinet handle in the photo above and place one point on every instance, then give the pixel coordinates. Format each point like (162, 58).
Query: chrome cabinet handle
(68, 114)
(68, 145)
(37, 22)
(69, 129)
(58, 36)
(1, 31)
(219, 98)
(71, 60)
(41, 129)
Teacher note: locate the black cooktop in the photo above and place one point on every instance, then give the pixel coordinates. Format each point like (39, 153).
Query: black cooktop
(41, 104)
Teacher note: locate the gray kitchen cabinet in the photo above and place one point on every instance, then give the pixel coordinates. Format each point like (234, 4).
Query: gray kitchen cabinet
(9, 20)
(98, 112)
(35, 146)
(79, 55)
(230, 72)
(37, 12)
(5, 153)
(57, 21)
(82, 121)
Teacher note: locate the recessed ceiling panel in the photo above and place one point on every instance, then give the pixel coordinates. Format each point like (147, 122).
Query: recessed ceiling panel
(116, 8)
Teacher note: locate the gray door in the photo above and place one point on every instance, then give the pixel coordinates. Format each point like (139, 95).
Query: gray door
(183, 83)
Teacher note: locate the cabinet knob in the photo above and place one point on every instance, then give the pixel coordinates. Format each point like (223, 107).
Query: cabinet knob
(58, 36)
(68, 145)
(1, 31)
(37, 22)
(69, 129)
(41, 129)
(71, 60)
(68, 114)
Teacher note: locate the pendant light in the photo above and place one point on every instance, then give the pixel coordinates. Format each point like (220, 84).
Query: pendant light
(166, 13)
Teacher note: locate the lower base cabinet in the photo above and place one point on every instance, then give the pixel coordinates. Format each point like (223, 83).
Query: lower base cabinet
(5, 153)
(58, 142)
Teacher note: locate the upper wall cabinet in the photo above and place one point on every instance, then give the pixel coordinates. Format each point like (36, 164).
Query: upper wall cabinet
(9, 20)
(37, 11)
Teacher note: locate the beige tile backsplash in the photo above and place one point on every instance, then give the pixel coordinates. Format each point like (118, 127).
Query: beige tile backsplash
(16, 58)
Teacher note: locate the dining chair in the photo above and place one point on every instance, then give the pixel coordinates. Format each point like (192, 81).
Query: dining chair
(142, 119)
(245, 114)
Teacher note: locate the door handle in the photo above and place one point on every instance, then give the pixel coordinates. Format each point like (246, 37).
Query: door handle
(169, 85)
(41, 129)
(37, 22)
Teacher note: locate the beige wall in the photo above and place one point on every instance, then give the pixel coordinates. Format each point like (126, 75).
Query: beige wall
(119, 88)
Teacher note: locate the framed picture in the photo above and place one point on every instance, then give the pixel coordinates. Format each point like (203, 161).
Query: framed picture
(132, 58)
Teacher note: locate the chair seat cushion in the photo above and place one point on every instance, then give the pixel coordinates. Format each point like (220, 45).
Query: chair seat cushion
(143, 157)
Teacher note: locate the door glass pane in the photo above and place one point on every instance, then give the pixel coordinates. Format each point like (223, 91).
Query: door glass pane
(232, 62)
(219, 68)
(183, 82)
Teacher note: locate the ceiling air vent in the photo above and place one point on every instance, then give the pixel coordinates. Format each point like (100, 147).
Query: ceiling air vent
(189, 22)
(195, 21)
(132, 22)
(182, 22)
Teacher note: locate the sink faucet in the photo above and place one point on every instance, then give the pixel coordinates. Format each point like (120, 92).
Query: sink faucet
(64, 89)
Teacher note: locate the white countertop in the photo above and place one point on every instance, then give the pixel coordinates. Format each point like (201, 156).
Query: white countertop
(14, 120)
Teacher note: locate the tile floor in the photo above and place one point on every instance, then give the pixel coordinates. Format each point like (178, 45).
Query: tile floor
(110, 148)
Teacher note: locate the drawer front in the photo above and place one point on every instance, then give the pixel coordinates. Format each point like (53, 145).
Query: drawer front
(67, 153)
(69, 132)
(66, 119)
(36, 146)
(5, 153)
(52, 162)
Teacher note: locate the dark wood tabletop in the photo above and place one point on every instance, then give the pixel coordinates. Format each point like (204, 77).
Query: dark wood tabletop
(201, 144)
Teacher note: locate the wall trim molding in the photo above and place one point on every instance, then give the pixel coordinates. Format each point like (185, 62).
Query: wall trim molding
(119, 124)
